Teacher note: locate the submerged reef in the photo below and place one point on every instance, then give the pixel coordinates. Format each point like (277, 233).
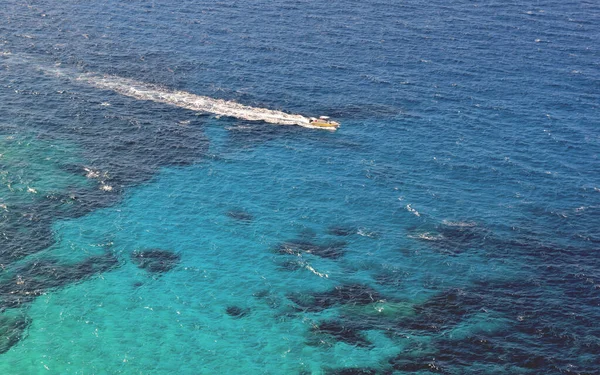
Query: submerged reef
(12, 329)
(23, 283)
(84, 163)
(35, 278)
(480, 325)
(240, 215)
(72, 173)
(332, 250)
(341, 231)
(353, 295)
(352, 371)
(155, 260)
(443, 310)
(452, 237)
(236, 311)
(340, 331)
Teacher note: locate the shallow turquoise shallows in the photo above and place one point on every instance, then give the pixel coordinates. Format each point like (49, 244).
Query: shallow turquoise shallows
(450, 225)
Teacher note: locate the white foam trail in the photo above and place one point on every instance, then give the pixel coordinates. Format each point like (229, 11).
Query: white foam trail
(146, 91)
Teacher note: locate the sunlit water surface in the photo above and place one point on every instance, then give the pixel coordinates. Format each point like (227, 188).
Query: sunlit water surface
(451, 225)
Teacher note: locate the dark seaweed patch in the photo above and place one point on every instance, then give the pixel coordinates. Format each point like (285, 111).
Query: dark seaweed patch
(352, 371)
(35, 278)
(333, 250)
(240, 215)
(125, 149)
(341, 331)
(404, 364)
(444, 310)
(393, 278)
(354, 294)
(155, 260)
(127, 144)
(23, 235)
(453, 238)
(538, 340)
(291, 265)
(12, 328)
(236, 311)
(341, 231)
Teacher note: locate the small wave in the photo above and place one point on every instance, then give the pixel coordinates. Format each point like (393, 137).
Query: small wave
(410, 209)
(311, 269)
(427, 236)
(238, 127)
(461, 224)
(365, 233)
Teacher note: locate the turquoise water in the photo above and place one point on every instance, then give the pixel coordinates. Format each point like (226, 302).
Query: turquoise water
(449, 226)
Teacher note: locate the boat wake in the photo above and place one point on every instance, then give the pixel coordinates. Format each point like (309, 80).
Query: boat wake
(147, 91)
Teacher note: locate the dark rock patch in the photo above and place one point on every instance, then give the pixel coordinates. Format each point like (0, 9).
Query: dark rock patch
(155, 260)
(341, 231)
(263, 293)
(93, 265)
(23, 235)
(395, 278)
(240, 215)
(537, 341)
(416, 365)
(127, 147)
(333, 250)
(354, 294)
(12, 329)
(352, 371)
(237, 312)
(340, 331)
(291, 265)
(270, 299)
(444, 310)
(34, 278)
(453, 238)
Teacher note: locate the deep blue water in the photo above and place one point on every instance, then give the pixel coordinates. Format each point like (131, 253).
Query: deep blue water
(451, 225)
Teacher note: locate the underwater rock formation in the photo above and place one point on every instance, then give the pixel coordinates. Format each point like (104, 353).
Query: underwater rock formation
(354, 294)
(340, 331)
(333, 250)
(236, 311)
(452, 237)
(419, 364)
(341, 231)
(352, 371)
(35, 278)
(444, 310)
(12, 328)
(240, 215)
(291, 265)
(155, 260)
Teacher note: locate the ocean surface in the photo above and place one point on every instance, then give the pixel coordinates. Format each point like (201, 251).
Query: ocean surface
(451, 225)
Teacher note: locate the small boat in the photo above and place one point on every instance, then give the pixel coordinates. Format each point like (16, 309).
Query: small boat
(324, 122)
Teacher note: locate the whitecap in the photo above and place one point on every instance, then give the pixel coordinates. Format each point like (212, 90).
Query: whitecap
(428, 236)
(462, 224)
(410, 209)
